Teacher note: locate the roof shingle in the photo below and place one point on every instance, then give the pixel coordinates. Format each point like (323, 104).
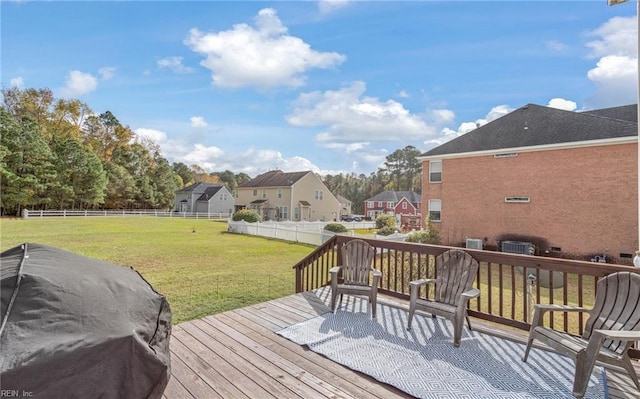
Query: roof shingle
(534, 125)
(275, 178)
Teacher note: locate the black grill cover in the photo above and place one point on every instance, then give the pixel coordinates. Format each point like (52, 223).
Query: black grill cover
(76, 327)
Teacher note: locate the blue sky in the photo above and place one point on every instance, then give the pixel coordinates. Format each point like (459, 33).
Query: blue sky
(329, 86)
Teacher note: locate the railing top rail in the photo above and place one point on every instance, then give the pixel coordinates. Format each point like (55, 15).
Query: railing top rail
(541, 262)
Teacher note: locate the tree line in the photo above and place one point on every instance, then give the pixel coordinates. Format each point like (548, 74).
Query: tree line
(60, 154)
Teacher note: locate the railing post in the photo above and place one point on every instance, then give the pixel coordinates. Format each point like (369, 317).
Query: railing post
(298, 280)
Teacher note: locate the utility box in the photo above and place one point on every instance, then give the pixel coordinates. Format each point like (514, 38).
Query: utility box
(547, 279)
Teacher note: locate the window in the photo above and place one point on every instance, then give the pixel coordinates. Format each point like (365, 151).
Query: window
(404, 205)
(435, 171)
(319, 194)
(296, 213)
(223, 196)
(264, 193)
(370, 204)
(435, 209)
(255, 192)
(390, 204)
(283, 212)
(279, 194)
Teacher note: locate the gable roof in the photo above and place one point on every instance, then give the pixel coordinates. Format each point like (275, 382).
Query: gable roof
(209, 192)
(625, 112)
(198, 186)
(275, 178)
(396, 196)
(342, 199)
(534, 125)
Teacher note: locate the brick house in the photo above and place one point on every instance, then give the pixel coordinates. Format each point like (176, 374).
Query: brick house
(404, 205)
(294, 196)
(568, 180)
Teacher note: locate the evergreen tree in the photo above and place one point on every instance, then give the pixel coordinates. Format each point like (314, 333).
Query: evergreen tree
(28, 172)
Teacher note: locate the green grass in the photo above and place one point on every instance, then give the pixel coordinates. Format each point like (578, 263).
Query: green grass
(200, 267)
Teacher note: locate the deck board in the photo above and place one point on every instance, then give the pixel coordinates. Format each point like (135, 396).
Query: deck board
(236, 354)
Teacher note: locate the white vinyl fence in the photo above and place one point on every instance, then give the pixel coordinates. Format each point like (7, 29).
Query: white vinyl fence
(26, 214)
(305, 232)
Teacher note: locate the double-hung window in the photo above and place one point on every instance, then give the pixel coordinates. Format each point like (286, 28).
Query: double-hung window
(435, 171)
(435, 210)
(283, 212)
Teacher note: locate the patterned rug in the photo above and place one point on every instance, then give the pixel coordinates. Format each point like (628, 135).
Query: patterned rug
(424, 363)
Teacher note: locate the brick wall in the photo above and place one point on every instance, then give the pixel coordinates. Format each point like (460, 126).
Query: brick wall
(583, 200)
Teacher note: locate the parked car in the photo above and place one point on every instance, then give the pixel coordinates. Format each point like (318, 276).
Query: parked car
(350, 218)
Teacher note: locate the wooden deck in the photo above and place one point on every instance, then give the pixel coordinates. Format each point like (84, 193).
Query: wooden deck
(236, 354)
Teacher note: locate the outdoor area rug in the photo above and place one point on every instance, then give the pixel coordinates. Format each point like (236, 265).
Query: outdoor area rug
(424, 363)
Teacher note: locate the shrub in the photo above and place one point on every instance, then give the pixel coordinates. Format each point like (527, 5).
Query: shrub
(423, 237)
(386, 231)
(385, 220)
(428, 236)
(336, 228)
(248, 215)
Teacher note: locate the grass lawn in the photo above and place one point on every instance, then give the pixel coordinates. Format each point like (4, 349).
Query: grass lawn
(200, 267)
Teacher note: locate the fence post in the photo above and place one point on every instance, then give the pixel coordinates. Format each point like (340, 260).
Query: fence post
(25, 214)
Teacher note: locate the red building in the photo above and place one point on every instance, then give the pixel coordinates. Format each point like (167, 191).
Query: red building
(566, 180)
(404, 205)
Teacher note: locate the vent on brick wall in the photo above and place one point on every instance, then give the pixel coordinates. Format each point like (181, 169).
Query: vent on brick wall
(474, 243)
(518, 247)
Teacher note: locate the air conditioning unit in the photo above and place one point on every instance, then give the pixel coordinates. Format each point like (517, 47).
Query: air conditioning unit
(518, 247)
(474, 243)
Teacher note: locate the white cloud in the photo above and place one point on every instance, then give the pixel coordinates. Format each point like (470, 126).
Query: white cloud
(441, 116)
(198, 122)
(496, 112)
(157, 136)
(561, 103)
(17, 82)
(203, 155)
(350, 117)
(79, 83)
(214, 159)
(616, 80)
(174, 64)
(264, 56)
(556, 46)
(617, 36)
(616, 72)
(327, 6)
(403, 94)
(106, 73)
(448, 134)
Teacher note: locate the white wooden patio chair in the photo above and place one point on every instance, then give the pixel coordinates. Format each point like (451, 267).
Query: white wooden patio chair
(612, 327)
